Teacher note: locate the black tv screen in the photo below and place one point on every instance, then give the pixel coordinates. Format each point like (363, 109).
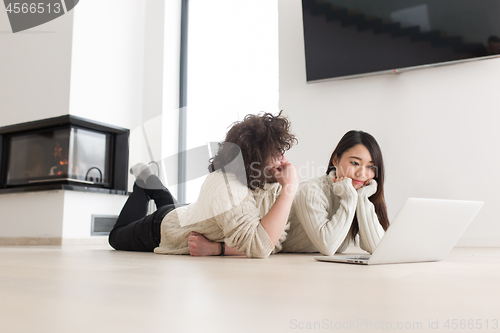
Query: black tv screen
(350, 38)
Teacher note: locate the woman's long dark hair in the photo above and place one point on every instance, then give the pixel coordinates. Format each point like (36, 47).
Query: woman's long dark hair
(260, 138)
(349, 140)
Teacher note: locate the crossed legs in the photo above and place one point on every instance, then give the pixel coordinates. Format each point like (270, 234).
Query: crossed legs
(134, 230)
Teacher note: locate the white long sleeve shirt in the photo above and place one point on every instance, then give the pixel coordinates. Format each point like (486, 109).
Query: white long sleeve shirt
(225, 211)
(322, 215)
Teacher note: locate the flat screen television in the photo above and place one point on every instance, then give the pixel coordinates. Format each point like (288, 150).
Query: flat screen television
(351, 38)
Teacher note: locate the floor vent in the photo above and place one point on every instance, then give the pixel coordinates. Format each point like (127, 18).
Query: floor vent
(102, 224)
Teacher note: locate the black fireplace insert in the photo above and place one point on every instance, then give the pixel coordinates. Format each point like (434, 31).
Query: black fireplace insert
(65, 152)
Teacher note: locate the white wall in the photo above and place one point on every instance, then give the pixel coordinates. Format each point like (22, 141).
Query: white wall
(107, 64)
(436, 127)
(171, 61)
(108, 67)
(32, 215)
(34, 70)
(79, 208)
(40, 218)
(104, 65)
(154, 134)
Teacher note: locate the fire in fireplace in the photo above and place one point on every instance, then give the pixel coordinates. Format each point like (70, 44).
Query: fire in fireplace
(66, 152)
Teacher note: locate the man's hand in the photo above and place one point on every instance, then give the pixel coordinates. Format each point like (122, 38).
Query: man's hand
(199, 246)
(288, 177)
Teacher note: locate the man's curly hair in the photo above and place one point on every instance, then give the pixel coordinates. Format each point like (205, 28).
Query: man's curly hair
(260, 138)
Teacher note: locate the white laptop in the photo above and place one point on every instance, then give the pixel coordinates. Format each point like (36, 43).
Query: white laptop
(423, 230)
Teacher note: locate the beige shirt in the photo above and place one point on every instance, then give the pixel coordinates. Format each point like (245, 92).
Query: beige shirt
(322, 214)
(225, 211)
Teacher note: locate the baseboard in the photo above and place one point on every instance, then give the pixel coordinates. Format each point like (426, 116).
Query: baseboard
(53, 241)
(94, 240)
(30, 241)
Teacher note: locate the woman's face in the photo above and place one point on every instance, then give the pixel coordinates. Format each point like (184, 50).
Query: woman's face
(356, 163)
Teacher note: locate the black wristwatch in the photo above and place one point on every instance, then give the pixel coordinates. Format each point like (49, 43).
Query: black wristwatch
(222, 248)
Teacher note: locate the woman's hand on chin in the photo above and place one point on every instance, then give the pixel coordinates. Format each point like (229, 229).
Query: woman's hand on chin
(339, 179)
(369, 189)
(199, 246)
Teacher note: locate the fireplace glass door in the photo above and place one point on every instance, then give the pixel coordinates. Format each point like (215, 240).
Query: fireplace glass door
(69, 154)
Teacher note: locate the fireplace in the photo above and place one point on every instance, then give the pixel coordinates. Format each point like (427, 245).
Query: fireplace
(66, 152)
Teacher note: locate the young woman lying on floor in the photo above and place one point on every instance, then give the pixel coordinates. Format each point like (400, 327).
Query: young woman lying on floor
(243, 204)
(328, 212)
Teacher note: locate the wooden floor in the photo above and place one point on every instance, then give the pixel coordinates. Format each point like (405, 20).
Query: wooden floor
(96, 289)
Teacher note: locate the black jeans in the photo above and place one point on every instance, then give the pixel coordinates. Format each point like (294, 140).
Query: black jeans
(134, 230)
